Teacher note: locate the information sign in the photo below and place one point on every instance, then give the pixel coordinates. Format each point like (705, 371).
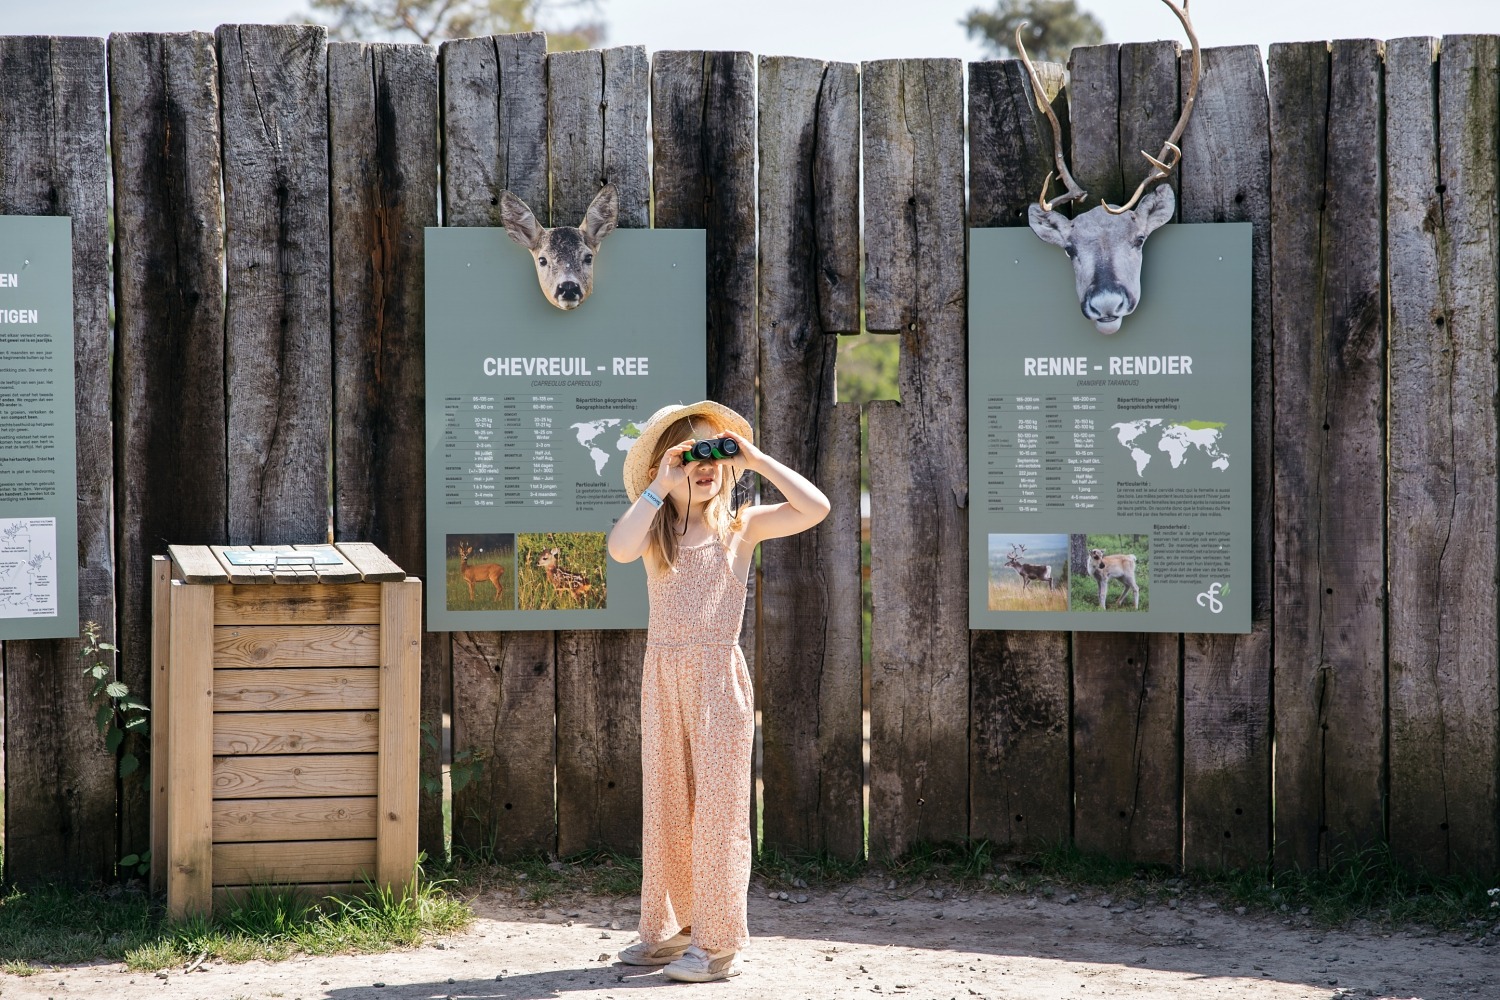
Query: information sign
(1110, 475)
(530, 410)
(38, 436)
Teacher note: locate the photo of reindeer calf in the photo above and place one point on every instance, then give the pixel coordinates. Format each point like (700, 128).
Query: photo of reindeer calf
(1028, 572)
(560, 571)
(1108, 561)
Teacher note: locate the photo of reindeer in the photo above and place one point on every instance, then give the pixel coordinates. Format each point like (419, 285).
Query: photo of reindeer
(481, 572)
(1028, 572)
(1116, 574)
(561, 571)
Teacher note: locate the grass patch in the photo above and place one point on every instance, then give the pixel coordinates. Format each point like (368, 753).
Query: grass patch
(56, 926)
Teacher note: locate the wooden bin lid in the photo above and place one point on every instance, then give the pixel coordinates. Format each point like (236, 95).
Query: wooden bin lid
(341, 562)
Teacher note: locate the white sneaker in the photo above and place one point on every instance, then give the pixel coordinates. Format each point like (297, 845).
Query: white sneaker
(698, 966)
(662, 953)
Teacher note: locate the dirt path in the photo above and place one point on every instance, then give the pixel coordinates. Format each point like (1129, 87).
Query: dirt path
(864, 940)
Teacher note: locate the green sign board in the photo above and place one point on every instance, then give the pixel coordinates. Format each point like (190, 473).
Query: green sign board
(530, 410)
(1110, 475)
(38, 443)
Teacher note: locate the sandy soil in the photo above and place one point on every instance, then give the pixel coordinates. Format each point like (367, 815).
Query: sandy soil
(869, 939)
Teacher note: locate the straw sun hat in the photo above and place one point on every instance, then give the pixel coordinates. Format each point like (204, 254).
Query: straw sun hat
(638, 458)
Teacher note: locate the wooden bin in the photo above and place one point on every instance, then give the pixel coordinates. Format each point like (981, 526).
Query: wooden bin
(285, 722)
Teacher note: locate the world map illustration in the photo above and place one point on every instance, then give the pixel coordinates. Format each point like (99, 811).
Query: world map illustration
(592, 432)
(1178, 439)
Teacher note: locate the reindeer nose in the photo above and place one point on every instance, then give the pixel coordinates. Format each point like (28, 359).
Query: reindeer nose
(569, 291)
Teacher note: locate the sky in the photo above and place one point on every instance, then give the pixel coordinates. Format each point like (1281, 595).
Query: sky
(843, 30)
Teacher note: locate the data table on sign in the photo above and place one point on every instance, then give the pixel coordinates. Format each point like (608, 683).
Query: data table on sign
(1042, 453)
(497, 451)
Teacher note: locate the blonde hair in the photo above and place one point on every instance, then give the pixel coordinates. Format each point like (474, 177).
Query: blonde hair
(721, 521)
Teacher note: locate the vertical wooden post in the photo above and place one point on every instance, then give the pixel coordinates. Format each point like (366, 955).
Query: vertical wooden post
(915, 283)
(161, 714)
(1020, 771)
(1126, 686)
(1226, 731)
(1441, 231)
(810, 584)
(399, 776)
(169, 340)
(500, 686)
(60, 787)
(1329, 316)
(189, 857)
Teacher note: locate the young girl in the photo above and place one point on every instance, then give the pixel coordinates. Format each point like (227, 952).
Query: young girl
(697, 709)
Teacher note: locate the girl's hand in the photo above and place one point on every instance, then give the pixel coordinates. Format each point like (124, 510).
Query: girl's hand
(671, 473)
(750, 457)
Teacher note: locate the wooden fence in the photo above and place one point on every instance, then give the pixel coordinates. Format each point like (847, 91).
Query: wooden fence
(262, 304)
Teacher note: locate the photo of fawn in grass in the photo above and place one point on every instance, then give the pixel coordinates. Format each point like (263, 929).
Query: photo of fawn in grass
(559, 571)
(480, 572)
(1028, 572)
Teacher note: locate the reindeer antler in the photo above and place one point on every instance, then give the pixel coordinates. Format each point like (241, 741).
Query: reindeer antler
(1074, 191)
(1163, 163)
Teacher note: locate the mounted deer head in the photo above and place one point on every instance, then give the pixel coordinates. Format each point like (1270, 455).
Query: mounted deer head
(564, 255)
(1105, 243)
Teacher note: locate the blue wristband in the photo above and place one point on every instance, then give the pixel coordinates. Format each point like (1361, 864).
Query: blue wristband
(651, 498)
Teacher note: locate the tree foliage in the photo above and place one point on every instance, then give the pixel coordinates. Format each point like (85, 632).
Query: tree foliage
(432, 21)
(1055, 27)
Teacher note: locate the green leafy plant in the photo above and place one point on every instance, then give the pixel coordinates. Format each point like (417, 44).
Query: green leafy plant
(118, 713)
(465, 767)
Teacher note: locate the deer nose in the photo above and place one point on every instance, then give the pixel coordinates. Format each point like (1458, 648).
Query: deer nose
(569, 291)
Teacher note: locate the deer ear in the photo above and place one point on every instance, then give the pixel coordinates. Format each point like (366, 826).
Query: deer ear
(599, 221)
(1050, 227)
(518, 221)
(1156, 208)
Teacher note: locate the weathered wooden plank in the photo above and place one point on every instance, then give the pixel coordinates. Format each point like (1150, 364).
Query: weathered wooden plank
(347, 604)
(295, 732)
(500, 687)
(60, 785)
(252, 820)
(1329, 475)
(373, 564)
(596, 124)
(161, 714)
(1020, 778)
(296, 861)
(1094, 96)
(309, 690)
(266, 646)
(1226, 739)
(285, 777)
(810, 669)
(399, 734)
(599, 740)
(1440, 174)
(1126, 686)
(188, 767)
(494, 97)
(596, 132)
(228, 571)
(275, 128)
(504, 692)
(703, 139)
(915, 282)
(169, 339)
(196, 564)
(312, 892)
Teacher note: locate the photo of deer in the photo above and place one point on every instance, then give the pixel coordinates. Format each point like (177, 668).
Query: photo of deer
(1115, 574)
(1028, 572)
(561, 570)
(481, 572)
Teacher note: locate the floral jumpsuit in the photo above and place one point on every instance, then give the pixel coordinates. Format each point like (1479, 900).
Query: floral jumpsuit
(697, 735)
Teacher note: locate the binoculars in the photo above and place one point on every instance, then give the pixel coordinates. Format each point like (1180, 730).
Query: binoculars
(711, 448)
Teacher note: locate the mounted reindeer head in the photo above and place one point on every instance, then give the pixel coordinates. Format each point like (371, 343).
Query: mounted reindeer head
(564, 255)
(1105, 243)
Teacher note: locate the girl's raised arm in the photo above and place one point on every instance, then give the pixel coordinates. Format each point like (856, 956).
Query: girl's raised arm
(805, 504)
(631, 536)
